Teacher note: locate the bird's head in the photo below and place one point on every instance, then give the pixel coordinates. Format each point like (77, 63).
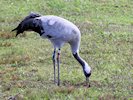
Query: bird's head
(87, 70)
(29, 23)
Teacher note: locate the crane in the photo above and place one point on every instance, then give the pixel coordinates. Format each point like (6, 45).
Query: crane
(59, 31)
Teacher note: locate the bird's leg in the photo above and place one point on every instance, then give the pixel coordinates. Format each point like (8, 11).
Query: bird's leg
(53, 58)
(58, 63)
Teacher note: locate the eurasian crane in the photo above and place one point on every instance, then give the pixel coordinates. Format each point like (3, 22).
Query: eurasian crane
(59, 31)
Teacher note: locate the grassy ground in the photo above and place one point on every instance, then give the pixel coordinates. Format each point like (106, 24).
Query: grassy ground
(26, 70)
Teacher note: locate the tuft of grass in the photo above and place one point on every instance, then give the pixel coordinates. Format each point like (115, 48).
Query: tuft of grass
(5, 44)
(5, 35)
(14, 59)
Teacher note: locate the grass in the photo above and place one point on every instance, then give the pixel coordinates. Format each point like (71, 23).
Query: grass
(26, 70)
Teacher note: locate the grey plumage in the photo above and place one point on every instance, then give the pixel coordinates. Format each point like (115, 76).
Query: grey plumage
(59, 31)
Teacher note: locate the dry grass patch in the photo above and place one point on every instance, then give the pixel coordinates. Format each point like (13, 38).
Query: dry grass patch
(6, 35)
(15, 59)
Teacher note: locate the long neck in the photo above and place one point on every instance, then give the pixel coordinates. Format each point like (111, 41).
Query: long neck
(79, 59)
(85, 66)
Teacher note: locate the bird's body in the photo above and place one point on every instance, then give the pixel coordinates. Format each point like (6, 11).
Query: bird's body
(59, 31)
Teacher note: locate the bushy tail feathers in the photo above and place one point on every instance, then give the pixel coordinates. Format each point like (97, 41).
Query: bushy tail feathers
(14, 29)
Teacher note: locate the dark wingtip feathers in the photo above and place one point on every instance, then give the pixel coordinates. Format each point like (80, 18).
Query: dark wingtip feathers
(19, 27)
(32, 15)
(14, 29)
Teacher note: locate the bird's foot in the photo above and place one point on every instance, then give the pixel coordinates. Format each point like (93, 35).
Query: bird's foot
(57, 82)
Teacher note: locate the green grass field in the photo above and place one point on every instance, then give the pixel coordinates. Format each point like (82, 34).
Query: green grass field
(26, 69)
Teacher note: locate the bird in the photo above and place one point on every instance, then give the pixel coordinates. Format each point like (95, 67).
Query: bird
(59, 31)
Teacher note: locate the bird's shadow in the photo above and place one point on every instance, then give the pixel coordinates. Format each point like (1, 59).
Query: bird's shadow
(76, 85)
